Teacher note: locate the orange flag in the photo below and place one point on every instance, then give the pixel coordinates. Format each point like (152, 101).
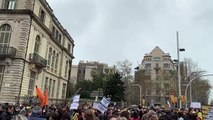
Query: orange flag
(46, 98)
(39, 94)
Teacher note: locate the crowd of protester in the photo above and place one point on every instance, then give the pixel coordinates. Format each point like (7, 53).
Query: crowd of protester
(63, 112)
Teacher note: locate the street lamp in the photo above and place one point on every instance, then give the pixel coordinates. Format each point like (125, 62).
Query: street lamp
(138, 85)
(178, 62)
(190, 87)
(193, 80)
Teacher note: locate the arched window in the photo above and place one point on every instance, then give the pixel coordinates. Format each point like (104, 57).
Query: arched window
(37, 44)
(49, 57)
(5, 35)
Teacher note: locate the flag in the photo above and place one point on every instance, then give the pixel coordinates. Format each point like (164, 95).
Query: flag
(39, 93)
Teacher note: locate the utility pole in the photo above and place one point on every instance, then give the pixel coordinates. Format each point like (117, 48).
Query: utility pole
(179, 81)
(179, 77)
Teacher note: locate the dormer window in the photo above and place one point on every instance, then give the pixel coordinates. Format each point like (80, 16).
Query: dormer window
(9, 4)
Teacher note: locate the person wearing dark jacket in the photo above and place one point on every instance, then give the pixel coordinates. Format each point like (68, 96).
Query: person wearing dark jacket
(6, 112)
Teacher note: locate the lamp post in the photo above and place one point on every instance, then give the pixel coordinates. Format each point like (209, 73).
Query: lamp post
(138, 85)
(190, 87)
(193, 80)
(178, 62)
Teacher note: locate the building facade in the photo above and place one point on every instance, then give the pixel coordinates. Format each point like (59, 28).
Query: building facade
(35, 50)
(83, 70)
(157, 76)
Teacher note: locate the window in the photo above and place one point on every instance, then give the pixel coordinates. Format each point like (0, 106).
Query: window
(156, 58)
(1, 75)
(9, 4)
(64, 90)
(42, 16)
(157, 65)
(56, 63)
(53, 61)
(66, 69)
(148, 65)
(148, 71)
(166, 71)
(69, 47)
(5, 35)
(49, 57)
(56, 35)
(166, 65)
(50, 85)
(53, 32)
(166, 59)
(158, 87)
(59, 38)
(31, 83)
(45, 84)
(53, 89)
(58, 88)
(157, 71)
(37, 44)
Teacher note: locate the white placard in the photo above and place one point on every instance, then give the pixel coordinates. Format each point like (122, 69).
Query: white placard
(195, 105)
(95, 105)
(76, 98)
(105, 102)
(101, 108)
(74, 106)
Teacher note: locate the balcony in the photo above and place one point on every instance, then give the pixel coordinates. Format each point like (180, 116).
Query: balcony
(7, 52)
(157, 68)
(38, 60)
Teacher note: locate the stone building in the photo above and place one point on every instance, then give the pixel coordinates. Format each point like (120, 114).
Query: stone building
(83, 70)
(35, 49)
(157, 76)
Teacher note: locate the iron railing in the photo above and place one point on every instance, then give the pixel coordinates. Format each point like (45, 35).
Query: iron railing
(38, 60)
(7, 52)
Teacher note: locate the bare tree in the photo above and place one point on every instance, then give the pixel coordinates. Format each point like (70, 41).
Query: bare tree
(125, 70)
(199, 88)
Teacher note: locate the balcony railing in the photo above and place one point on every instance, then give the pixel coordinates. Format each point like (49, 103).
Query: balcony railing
(9, 52)
(38, 60)
(157, 68)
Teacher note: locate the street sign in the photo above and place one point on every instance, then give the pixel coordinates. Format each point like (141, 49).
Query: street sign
(96, 93)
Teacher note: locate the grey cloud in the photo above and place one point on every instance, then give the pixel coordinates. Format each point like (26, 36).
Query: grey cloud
(111, 30)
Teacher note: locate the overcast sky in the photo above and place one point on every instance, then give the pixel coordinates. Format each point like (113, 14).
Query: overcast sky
(114, 30)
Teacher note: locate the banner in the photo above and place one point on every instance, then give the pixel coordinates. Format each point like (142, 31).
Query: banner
(105, 102)
(76, 98)
(195, 105)
(95, 105)
(102, 108)
(74, 106)
(75, 103)
(103, 105)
